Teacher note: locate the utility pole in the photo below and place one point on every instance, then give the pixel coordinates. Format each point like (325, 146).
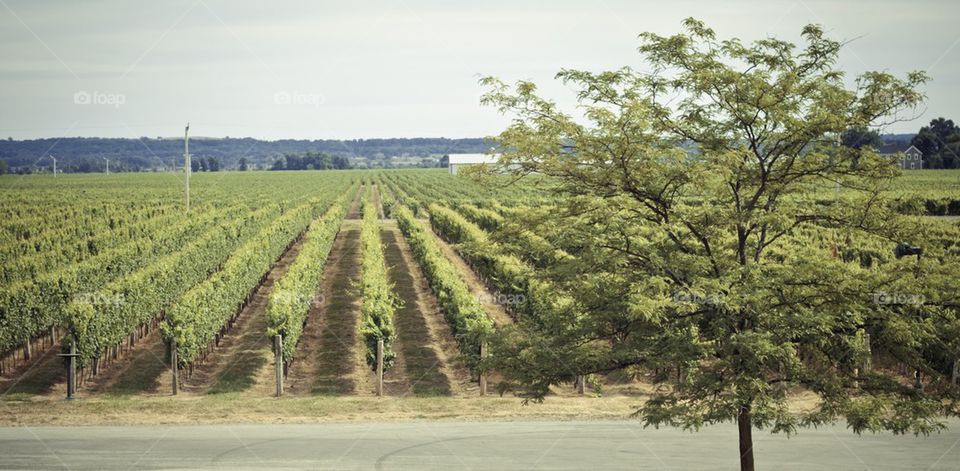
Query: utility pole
(54, 165)
(108, 164)
(186, 160)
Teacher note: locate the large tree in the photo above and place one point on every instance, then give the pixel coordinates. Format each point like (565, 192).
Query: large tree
(719, 232)
(859, 137)
(939, 143)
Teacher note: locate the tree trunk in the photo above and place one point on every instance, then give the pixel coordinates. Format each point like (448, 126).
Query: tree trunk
(746, 439)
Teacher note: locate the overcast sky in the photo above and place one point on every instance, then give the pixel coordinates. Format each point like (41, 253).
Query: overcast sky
(317, 69)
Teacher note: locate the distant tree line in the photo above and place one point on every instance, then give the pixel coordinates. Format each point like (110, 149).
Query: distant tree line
(208, 164)
(311, 161)
(83, 154)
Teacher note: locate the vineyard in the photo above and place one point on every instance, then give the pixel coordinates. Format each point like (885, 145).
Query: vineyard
(681, 236)
(332, 283)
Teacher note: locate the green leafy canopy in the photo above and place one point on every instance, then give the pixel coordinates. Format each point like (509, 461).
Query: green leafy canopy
(724, 233)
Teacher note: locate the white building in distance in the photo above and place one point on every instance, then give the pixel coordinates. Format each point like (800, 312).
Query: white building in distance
(912, 159)
(459, 160)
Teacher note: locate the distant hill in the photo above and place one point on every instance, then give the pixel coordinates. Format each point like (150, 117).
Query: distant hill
(86, 153)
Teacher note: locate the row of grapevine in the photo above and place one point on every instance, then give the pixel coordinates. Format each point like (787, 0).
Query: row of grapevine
(203, 312)
(30, 307)
(485, 210)
(487, 219)
(461, 309)
(455, 227)
(401, 196)
(51, 257)
(507, 274)
(519, 244)
(111, 313)
(71, 239)
(386, 199)
(504, 265)
(550, 309)
(376, 292)
(293, 295)
(47, 227)
(40, 215)
(515, 237)
(925, 204)
(427, 186)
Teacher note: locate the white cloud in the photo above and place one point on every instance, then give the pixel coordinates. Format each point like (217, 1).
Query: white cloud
(389, 68)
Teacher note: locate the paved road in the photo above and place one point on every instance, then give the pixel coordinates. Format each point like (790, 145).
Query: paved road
(461, 445)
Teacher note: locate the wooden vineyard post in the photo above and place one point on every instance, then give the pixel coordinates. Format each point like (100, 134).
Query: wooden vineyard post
(956, 372)
(278, 360)
(379, 367)
(71, 370)
(580, 384)
(173, 365)
(483, 376)
(868, 358)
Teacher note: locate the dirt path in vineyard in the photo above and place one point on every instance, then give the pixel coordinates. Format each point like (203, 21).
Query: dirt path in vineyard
(236, 365)
(427, 343)
(326, 361)
(329, 358)
(377, 201)
(44, 373)
(140, 370)
(430, 353)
